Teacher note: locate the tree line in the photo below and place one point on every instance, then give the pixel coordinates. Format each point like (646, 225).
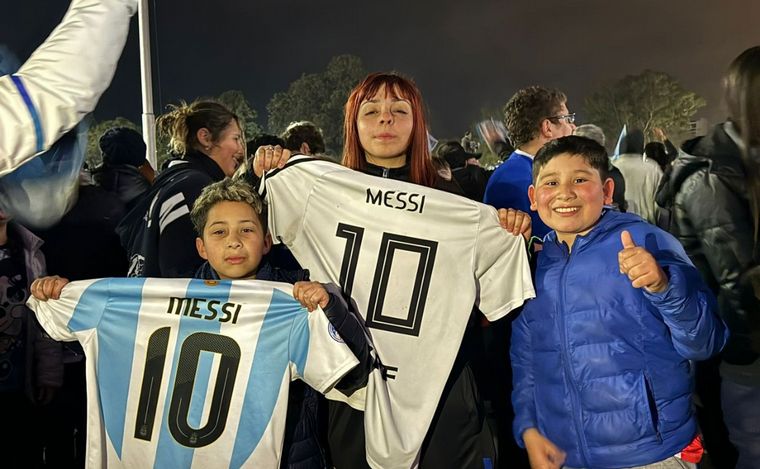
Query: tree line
(648, 100)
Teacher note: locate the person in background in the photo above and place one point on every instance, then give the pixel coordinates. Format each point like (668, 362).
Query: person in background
(656, 152)
(304, 137)
(713, 194)
(642, 176)
(534, 115)
(31, 366)
(595, 133)
(124, 172)
(465, 169)
(661, 151)
(210, 141)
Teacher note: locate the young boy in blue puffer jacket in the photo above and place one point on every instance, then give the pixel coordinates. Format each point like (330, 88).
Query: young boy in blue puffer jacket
(601, 356)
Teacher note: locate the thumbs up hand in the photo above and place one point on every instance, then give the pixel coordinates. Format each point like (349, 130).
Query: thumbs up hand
(640, 266)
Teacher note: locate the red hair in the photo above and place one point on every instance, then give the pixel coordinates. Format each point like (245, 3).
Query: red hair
(421, 170)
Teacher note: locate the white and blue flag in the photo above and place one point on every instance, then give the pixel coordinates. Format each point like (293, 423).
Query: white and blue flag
(616, 152)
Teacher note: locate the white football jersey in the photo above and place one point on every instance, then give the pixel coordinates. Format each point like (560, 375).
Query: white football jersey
(415, 260)
(191, 373)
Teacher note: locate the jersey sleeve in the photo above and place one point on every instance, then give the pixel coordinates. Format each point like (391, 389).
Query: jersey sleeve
(62, 80)
(79, 309)
(286, 193)
(320, 355)
(502, 270)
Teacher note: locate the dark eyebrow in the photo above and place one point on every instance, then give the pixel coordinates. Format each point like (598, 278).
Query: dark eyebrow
(584, 171)
(220, 222)
(544, 175)
(554, 173)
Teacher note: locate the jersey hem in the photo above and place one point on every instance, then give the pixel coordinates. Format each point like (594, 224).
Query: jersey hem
(510, 306)
(330, 381)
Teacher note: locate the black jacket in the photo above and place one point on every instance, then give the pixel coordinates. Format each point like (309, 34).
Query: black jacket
(706, 196)
(87, 232)
(123, 180)
(157, 233)
(472, 179)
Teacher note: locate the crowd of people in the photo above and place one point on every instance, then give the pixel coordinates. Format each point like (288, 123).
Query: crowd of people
(409, 308)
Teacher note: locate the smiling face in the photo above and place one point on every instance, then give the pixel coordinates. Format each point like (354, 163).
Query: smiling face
(569, 195)
(228, 150)
(384, 124)
(233, 240)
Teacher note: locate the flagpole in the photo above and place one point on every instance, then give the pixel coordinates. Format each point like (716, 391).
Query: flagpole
(148, 118)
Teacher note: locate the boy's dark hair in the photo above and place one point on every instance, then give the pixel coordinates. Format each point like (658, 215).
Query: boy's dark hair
(304, 132)
(655, 151)
(590, 150)
(226, 190)
(527, 109)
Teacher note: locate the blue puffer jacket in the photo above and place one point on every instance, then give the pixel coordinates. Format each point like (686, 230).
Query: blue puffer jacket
(602, 368)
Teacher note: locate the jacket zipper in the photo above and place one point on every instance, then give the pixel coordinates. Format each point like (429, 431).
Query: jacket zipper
(568, 369)
(386, 172)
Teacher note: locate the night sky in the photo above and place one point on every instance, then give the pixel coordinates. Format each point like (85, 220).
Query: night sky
(464, 55)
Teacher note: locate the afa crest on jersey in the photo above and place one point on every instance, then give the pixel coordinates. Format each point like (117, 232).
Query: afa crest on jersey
(334, 333)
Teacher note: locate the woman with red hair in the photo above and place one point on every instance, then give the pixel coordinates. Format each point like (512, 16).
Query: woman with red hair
(386, 135)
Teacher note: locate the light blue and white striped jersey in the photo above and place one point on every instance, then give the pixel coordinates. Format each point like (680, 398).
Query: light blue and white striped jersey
(415, 260)
(191, 373)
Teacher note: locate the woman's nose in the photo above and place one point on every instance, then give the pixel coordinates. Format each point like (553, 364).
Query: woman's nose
(386, 117)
